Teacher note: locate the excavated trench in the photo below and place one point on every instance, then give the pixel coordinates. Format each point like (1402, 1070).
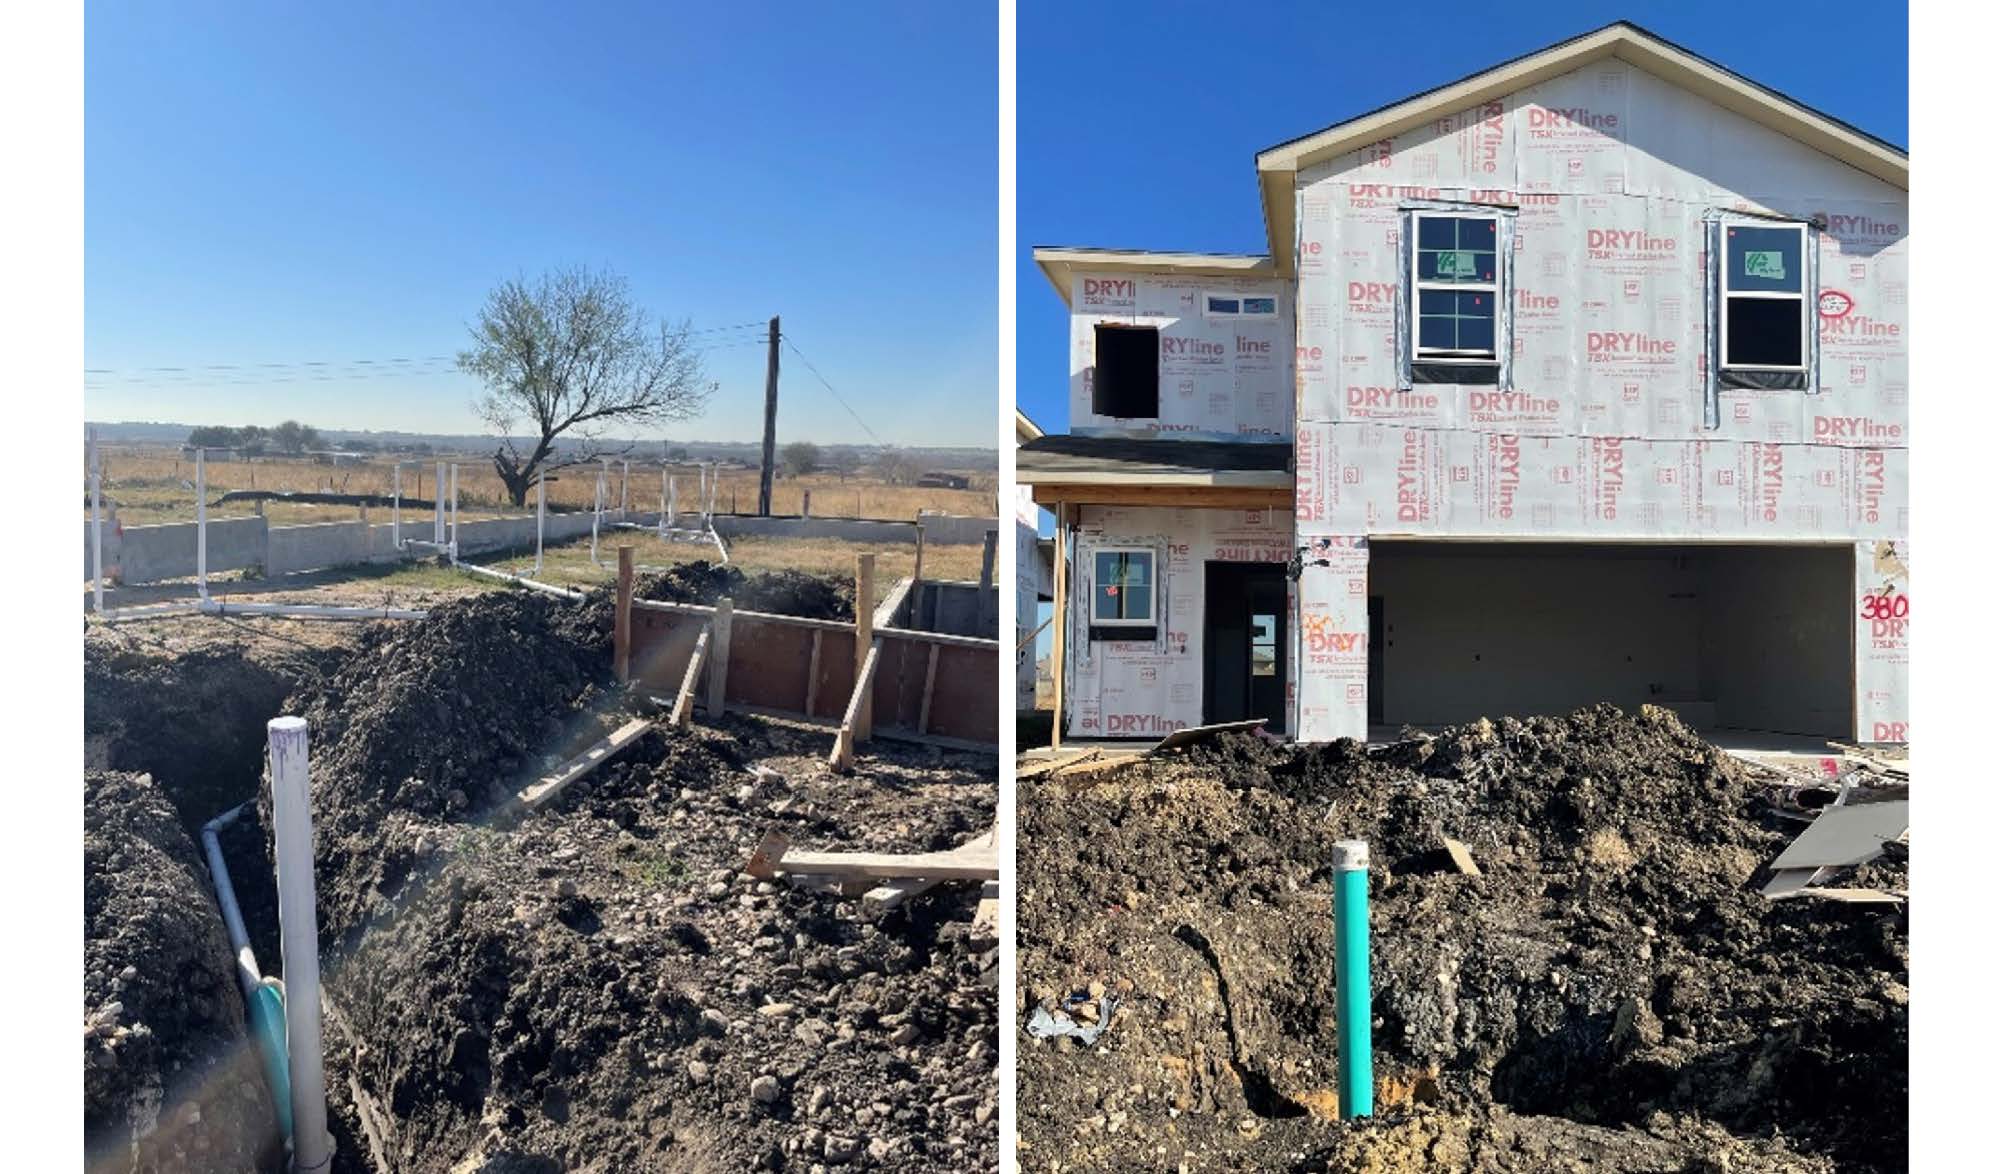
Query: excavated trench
(592, 982)
(1612, 986)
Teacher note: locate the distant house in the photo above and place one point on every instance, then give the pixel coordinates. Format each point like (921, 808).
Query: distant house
(215, 455)
(943, 481)
(339, 460)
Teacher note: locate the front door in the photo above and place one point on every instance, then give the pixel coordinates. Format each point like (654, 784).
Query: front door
(1247, 658)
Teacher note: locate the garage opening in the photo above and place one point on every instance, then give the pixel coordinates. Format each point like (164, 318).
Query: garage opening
(1752, 638)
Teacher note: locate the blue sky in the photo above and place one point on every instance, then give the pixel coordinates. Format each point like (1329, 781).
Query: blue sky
(279, 184)
(1112, 154)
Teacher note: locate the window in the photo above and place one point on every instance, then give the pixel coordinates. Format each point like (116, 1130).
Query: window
(1455, 288)
(1125, 602)
(1764, 319)
(1126, 372)
(1237, 305)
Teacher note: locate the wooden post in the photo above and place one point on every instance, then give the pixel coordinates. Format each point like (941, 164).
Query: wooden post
(807, 503)
(862, 641)
(811, 674)
(1060, 580)
(682, 705)
(921, 535)
(769, 418)
(717, 669)
(623, 622)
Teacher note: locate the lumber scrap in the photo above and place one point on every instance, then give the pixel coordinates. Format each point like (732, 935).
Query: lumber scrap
(551, 785)
(1458, 854)
(984, 926)
(682, 706)
(974, 861)
(850, 731)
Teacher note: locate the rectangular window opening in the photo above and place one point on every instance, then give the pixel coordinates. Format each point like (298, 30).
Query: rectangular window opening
(1457, 280)
(1126, 372)
(1763, 298)
(1125, 590)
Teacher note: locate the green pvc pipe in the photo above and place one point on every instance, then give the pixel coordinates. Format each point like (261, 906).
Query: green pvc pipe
(266, 1015)
(1353, 971)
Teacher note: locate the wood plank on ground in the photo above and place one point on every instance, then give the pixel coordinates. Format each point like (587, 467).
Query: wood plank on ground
(551, 785)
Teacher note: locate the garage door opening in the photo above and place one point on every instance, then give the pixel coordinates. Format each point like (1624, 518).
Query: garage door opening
(1752, 638)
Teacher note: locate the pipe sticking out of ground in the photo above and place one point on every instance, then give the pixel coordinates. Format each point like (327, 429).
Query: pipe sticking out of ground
(1350, 860)
(263, 998)
(298, 926)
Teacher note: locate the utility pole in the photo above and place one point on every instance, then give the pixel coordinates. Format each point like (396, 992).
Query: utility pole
(769, 419)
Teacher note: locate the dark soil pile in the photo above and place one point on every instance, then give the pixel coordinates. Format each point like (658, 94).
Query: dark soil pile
(599, 986)
(786, 592)
(1612, 975)
(437, 721)
(194, 721)
(169, 1080)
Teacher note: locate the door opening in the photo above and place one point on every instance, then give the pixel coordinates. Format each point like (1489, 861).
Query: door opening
(1247, 658)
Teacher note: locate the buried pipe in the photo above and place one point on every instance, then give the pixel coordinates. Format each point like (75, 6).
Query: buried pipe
(263, 998)
(309, 611)
(1353, 973)
(522, 580)
(298, 928)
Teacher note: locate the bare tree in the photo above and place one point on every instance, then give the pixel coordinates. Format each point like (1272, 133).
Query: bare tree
(844, 462)
(570, 355)
(800, 458)
(896, 467)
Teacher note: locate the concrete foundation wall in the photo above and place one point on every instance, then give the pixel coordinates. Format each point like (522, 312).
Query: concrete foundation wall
(958, 609)
(146, 554)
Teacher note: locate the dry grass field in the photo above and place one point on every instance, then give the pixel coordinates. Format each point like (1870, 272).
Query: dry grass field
(153, 485)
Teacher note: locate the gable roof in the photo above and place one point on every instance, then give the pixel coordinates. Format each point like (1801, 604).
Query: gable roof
(1277, 166)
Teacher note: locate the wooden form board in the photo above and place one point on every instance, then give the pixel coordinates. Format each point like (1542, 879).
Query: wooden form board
(926, 684)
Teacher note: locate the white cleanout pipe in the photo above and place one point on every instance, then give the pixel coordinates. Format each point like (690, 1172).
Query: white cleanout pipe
(395, 517)
(664, 500)
(309, 611)
(248, 975)
(96, 523)
(437, 506)
(453, 512)
(624, 491)
(522, 580)
(201, 520)
(298, 926)
(150, 611)
(596, 519)
(540, 520)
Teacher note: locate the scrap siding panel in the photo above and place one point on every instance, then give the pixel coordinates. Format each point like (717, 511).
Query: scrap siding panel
(1219, 377)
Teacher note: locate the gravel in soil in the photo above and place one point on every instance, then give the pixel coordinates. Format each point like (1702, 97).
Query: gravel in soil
(1612, 986)
(169, 1081)
(596, 985)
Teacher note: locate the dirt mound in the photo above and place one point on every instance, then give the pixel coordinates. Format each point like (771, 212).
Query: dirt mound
(786, 592)
(437, 720)
(193, 720)
(169, 1081)
(599, 983)
(1611, 963)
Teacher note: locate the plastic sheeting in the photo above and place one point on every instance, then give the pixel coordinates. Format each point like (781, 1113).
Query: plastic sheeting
(1219, 378)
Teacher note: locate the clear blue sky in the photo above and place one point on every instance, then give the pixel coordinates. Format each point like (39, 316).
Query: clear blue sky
(275, 184)
(1139, 129)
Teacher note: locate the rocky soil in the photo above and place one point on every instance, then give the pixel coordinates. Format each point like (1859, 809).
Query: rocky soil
(1611, 994)
(169, 1081)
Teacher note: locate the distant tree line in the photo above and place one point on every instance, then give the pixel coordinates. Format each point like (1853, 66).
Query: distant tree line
(254, 440)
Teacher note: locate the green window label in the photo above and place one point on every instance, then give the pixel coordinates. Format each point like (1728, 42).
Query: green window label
(1768, 265)
(1455, 263)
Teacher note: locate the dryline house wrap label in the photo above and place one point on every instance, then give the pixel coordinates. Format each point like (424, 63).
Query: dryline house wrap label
(1146, 689)
(1332, 639)
(1884, 627)
(1378, 479)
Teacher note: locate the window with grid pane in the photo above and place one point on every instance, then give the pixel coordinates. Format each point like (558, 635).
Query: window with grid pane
(1455, 287)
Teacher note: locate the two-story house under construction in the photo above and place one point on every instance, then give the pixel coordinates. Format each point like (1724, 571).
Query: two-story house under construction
(1581, 379)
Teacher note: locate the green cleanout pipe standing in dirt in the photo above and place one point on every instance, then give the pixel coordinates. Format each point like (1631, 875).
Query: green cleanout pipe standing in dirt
(1353, 971)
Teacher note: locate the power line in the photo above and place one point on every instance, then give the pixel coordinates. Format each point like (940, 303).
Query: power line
(835, 391)
(306, 371)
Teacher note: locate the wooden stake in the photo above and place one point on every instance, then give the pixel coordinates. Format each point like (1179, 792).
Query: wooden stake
(862, 647)
(717, 673)
(623, 623)
(682, 706)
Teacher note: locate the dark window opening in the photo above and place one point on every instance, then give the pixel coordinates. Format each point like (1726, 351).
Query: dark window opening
(1764, 332)
(1126, 372)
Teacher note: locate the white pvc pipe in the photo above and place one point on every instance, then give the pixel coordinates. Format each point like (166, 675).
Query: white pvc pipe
(540, 520)
(522, 580)
(201, 520)
(248, 975)
(96, 523)
(395, 517)
(596, 519)
(437, 506)
(624, 491)
(453, 512)
(309, 611)
(298, 925)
